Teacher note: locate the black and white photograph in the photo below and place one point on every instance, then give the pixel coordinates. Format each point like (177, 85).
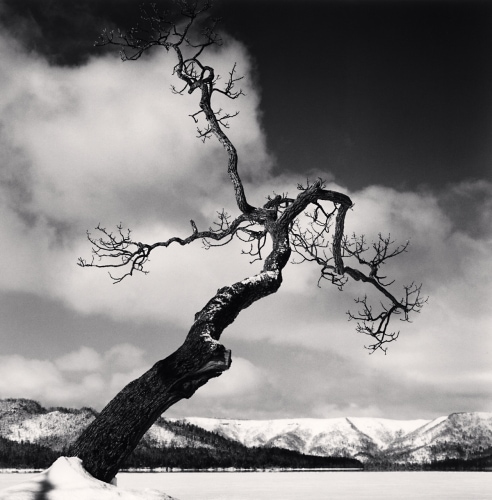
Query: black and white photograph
(246, 249)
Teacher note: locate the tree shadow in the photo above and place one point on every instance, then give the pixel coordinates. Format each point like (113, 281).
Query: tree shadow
(45, 487)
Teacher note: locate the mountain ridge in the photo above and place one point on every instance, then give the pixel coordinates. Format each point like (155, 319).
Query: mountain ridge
(374, 441)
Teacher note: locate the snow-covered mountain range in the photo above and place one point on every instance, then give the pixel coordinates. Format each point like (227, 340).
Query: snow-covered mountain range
(457, 436)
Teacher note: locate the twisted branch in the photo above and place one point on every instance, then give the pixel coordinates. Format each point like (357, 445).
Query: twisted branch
(119, 250)
(279, 219)
(311, 244)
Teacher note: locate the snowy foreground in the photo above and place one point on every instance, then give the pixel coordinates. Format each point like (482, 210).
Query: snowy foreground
(67, 479)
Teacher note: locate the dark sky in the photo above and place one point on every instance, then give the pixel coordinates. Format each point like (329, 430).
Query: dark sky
(392, 93)
(402, 88)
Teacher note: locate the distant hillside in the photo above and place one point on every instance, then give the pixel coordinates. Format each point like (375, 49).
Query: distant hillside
(360, 438)
(26, 420)
(460, 436)
(459, 441)
(379, 443)
(191, 447)
(32, 436)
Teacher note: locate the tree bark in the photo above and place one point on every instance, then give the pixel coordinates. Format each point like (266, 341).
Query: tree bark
(107, 442)
(109, 439)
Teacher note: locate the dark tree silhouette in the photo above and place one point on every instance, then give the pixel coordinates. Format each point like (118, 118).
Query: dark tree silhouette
(107, 442)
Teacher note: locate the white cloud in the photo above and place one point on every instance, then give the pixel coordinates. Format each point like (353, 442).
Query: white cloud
(85, 377)
(42, 380)
(243, 377)
(108, 142)
(77, 378)
(83, 360)
(125, 356)
(19, 375)
(349, 410)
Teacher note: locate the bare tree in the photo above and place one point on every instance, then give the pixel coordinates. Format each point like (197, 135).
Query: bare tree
(310, 225)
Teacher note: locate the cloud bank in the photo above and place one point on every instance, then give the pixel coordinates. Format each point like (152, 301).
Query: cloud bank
(108, 142)
(82, 375)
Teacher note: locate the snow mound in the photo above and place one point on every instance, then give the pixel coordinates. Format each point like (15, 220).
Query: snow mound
(67, 479)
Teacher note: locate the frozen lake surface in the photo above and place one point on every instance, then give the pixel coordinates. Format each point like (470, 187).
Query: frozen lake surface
(306, 485)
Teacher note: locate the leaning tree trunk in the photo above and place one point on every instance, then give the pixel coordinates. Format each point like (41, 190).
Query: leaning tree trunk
(115, 433)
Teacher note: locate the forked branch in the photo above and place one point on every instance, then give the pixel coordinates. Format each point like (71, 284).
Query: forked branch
(119, 250)
(375, 325)
(317, 237)
(312, 244)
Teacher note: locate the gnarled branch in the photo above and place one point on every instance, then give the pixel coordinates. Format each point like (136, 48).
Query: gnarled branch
(119, 250)
(311, 244)
(376, 325)
(110, 438)
(278, 219)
